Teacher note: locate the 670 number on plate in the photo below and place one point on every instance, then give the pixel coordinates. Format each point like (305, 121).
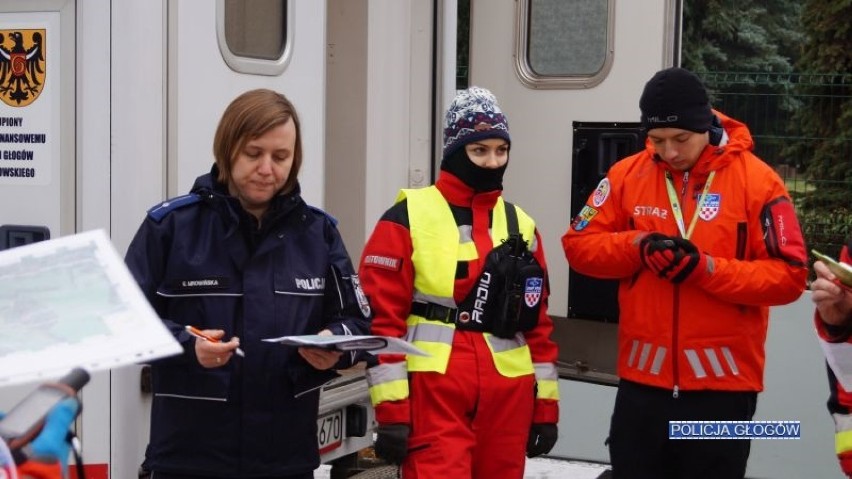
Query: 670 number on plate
(330, 431)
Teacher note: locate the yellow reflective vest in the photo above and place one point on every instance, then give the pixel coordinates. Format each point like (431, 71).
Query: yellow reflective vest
(437, 250)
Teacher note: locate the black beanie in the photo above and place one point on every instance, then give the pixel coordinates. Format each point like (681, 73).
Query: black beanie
(675, 98)
(472, 116)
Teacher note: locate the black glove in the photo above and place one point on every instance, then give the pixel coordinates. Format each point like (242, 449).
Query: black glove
(392, 442)
(656, 251)
(691, 265)
(672, 258)
(542, 439)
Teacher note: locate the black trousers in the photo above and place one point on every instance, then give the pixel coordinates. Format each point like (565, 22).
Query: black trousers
(639, 444)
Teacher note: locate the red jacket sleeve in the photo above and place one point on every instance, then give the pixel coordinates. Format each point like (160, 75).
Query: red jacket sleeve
(542, 348)
(828, 332)
(387, 277)
(839, 400)
(601, 241)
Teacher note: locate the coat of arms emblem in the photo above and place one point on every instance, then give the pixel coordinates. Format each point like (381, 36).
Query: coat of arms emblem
(22, 65)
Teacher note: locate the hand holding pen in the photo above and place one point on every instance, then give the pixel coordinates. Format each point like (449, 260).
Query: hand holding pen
(211, 351)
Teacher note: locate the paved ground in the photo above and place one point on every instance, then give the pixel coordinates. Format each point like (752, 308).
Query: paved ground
(539, 468)
(546, 468)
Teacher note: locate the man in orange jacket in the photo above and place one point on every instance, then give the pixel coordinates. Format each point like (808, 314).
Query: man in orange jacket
(703, 238)
(833, 321)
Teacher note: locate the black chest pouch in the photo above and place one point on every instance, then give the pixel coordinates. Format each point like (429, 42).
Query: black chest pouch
(507, 296)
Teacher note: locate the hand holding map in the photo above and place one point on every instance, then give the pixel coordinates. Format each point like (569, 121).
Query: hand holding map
(373, 344)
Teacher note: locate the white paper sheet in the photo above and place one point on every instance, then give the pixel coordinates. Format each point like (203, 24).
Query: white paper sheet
(70, 302)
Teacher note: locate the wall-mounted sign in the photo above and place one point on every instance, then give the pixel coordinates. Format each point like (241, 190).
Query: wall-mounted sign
(29, 98)
(22, 66)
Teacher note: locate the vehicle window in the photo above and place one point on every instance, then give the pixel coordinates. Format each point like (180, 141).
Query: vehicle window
(564, 44)
(254, 36)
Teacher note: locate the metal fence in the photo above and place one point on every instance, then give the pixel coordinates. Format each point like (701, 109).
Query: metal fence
(767, 103)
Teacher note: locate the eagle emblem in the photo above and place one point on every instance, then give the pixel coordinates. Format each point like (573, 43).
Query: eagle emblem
(22, 65)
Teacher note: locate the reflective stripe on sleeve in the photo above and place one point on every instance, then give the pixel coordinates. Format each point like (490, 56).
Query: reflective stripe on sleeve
(842, 442)
(547, 381)
(390, 391)
(388, 382)
(843, 433)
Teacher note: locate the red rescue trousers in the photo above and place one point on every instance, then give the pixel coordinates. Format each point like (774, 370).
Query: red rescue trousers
(471, 422)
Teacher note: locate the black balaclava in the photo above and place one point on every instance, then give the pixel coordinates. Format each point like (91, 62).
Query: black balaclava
(479, 178)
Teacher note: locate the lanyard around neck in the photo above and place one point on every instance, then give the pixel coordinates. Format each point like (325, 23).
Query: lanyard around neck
(676, 209)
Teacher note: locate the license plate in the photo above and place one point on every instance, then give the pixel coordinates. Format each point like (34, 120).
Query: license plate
(330, 431)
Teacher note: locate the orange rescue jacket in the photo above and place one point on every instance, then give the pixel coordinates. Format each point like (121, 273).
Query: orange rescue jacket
(694, 336)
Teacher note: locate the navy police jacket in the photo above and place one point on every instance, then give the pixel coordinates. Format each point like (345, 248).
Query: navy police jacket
(201, 261)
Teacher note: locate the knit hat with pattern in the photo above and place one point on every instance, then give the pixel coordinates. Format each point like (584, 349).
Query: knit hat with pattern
(473, 115)
(675, 98)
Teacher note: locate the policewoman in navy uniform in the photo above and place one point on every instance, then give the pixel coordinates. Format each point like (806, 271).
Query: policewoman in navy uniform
(461, 273)
(242, 257)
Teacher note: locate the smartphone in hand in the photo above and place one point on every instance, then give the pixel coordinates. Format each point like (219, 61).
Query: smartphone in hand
(842, 270)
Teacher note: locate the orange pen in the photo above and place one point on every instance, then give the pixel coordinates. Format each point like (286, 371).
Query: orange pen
(200, 335)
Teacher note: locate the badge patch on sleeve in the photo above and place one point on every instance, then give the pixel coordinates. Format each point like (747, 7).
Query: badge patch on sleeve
(601, 193)
(363, 303)
(384, 262)
(583, 218)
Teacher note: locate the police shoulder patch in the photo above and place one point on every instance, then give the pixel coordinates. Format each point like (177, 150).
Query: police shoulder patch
(363, 303)
(160, 211)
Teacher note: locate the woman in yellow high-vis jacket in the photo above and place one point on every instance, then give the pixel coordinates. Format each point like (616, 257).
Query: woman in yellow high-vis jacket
(435, 272)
